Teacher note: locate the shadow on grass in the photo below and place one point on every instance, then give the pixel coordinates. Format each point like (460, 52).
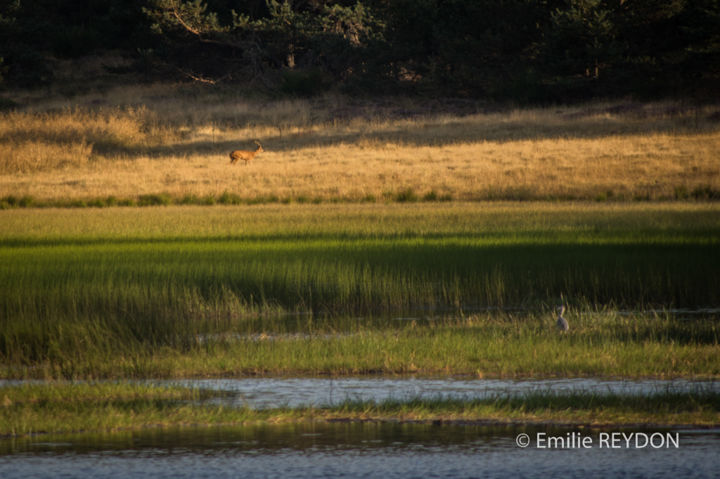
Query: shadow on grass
(346, 276)
(420, 129)
(457, 132)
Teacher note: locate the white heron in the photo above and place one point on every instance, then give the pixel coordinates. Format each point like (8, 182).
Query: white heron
(562, 323)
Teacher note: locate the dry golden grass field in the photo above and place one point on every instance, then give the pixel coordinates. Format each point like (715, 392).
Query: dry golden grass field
(173, 140)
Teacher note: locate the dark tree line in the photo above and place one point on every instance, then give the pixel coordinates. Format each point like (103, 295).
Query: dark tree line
(525, 50)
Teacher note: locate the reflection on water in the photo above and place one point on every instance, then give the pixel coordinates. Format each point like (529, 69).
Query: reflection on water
(350, 450)
(295, 392)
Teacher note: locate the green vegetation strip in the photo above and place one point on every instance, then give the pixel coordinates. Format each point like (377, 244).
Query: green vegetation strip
(491, 345)
(97, 407)
(28, 409)
(407, 195)
(187, 291)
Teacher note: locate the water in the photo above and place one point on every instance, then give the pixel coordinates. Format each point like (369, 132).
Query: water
(370, 449)
(296, 392)
(349, 450)
(264, 393)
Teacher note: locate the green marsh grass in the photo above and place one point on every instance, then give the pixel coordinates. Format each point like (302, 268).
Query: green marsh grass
(495, 345)
(103, 407)
(66, 407)
(128, 292)
(584, 408)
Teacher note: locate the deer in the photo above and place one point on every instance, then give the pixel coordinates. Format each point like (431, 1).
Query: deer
(245, 155)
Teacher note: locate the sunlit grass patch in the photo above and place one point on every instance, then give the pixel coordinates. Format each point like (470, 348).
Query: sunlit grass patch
(72, 138)
(155, 140)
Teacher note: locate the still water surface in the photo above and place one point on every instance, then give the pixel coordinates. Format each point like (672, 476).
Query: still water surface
(355, 450)
(350, 450)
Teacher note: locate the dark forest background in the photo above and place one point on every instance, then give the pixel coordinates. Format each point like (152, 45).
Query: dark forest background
(519, 50)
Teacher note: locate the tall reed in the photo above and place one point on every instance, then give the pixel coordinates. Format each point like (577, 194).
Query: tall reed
(123, 283)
